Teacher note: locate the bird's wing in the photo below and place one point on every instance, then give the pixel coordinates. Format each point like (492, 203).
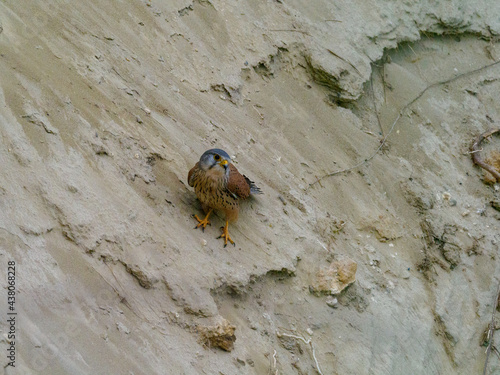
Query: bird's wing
(238, 184)
(191, 173)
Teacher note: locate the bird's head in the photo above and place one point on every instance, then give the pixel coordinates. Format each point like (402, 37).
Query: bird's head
(215, 158)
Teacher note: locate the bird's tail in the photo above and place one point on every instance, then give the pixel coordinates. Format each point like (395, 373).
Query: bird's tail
(254, 189)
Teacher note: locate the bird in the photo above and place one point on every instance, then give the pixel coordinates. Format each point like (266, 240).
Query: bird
(219, 186)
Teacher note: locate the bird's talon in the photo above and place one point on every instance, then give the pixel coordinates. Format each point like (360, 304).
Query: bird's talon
(202, 223)
(225, 235)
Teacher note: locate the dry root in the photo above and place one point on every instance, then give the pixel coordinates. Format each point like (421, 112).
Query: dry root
(308, 342)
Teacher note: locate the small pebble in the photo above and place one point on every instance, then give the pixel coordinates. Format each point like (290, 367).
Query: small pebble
(122, 328)
(465, 213)
(203, 242)
(240, 361)
(446, 196)
(453, 202)
(332, 302)
(309, 331)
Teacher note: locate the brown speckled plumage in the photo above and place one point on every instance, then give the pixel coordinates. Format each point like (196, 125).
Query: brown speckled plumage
(219, 186)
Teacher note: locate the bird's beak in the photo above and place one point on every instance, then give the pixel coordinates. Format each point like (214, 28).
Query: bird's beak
(224, 163)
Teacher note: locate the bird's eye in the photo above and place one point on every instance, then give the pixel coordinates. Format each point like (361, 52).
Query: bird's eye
(216, 157)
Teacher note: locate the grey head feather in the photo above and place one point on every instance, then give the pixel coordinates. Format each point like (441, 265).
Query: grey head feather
(207, 160)
(217, 151)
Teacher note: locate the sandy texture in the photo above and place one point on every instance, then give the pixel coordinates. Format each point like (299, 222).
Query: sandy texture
(105, 106)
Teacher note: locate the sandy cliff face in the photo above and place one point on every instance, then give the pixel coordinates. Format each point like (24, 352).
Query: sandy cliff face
(105, 106)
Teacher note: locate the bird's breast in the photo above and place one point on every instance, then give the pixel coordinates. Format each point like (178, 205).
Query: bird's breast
(210, 188)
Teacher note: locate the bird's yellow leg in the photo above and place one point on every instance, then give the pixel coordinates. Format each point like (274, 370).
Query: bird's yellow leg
(203, 223)
(225, 235)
